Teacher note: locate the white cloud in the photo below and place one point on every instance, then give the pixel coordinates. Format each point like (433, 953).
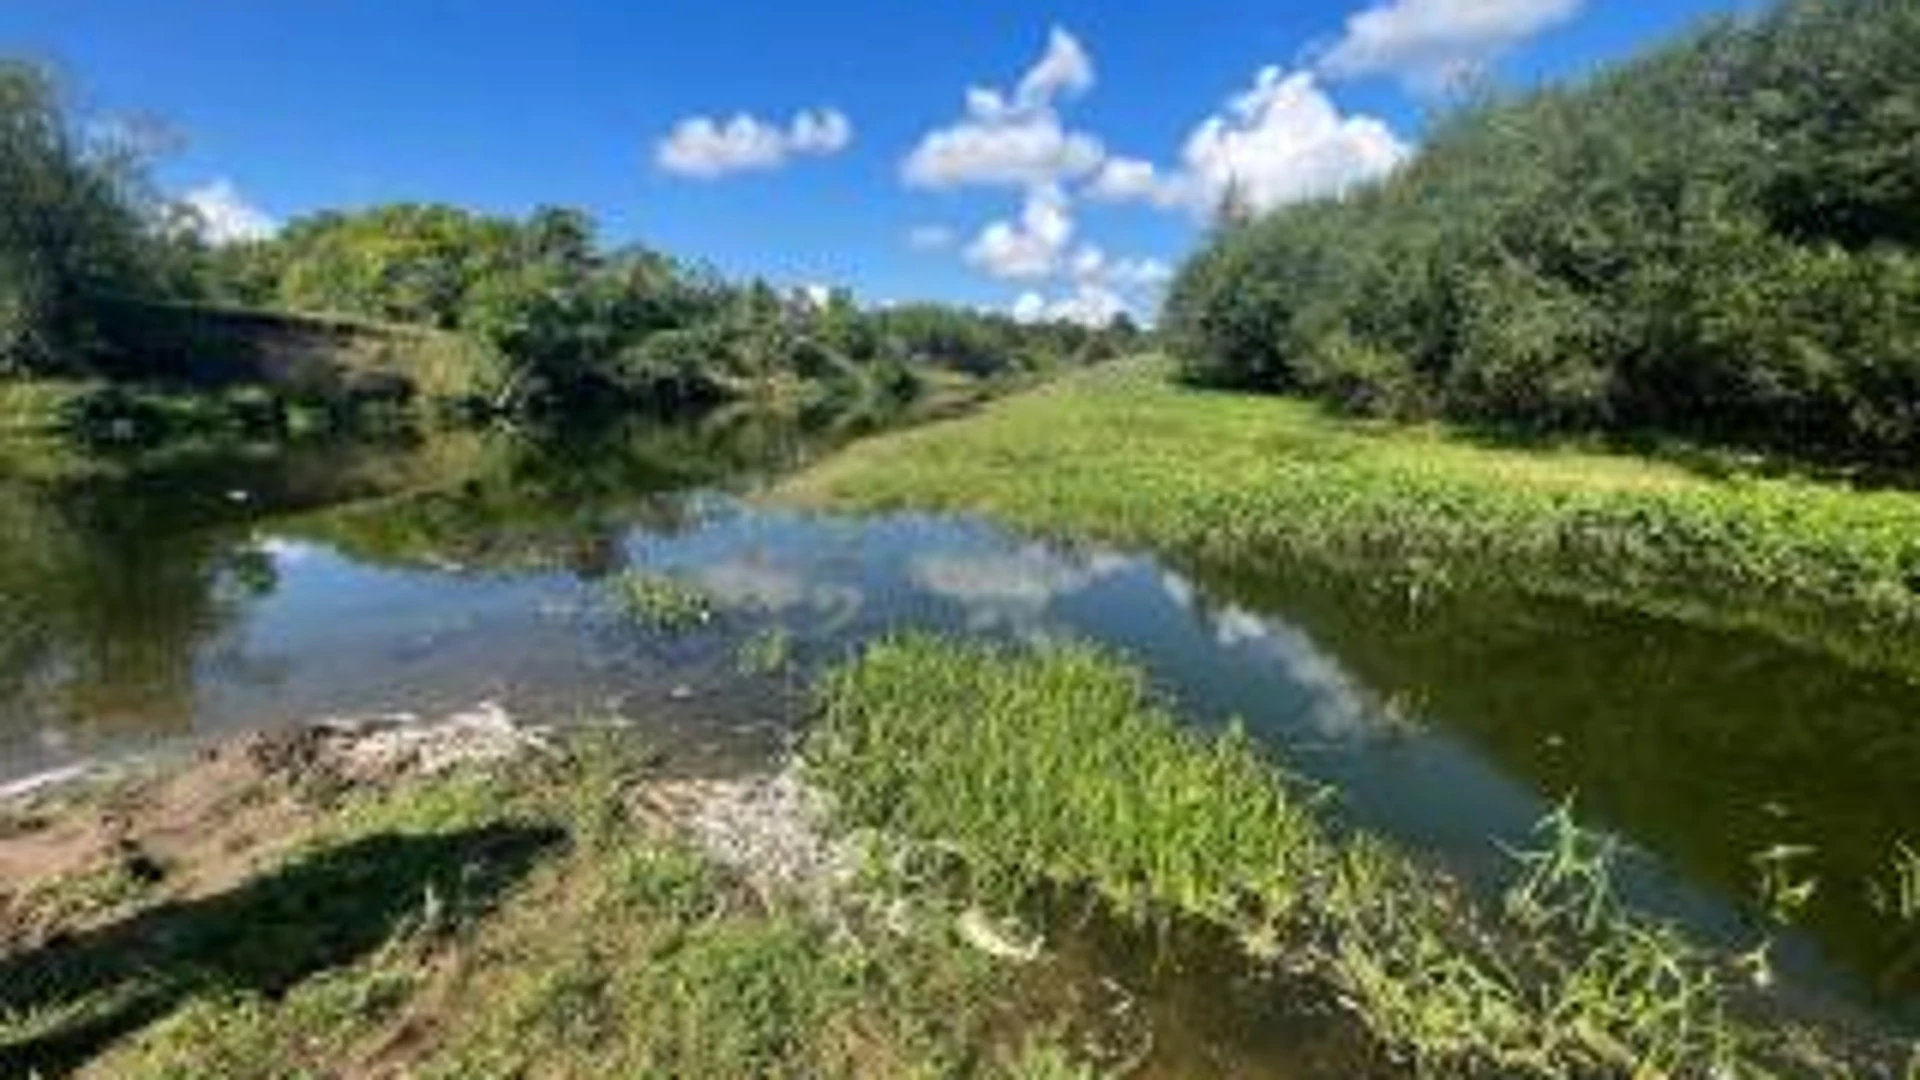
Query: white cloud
(1064, 69)
(702, 147)
(1089, 304)
(1089, 262)
(1281, 141)
(930, 237)
(1013, 140)
(1140, 273)
(1430, 43)
(827, 131)
(1284, 141)
(1031, 247)
(1125, 179)
(224, 216)
(1007, 151)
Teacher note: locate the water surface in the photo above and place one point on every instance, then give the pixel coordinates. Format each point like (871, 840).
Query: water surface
(201, 593)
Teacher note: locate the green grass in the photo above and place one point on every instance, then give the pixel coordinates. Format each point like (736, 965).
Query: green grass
(1058, 767)
(1123, 454)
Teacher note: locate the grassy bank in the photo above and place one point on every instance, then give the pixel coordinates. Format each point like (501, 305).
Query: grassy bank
(1123, 454)
(1059, 767)
(260, 917)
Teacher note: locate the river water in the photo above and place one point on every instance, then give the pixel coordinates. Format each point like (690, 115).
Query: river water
(177, 597)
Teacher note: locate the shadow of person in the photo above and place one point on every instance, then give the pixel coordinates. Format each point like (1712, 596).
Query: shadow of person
(266, 936)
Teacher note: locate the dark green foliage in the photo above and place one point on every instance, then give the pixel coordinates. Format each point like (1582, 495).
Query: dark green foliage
(71, 227)
(574, 320)
(1717, 240)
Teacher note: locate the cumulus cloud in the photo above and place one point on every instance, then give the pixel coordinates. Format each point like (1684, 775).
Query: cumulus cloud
(1017, 139)
(930, 237)
(1065, 69)
(223, 216)
(1283, 140)
(1141, 273)
(1430, 43)
(1006, 151)
(706, 148)
(1125, 179)
(1031, 247)
(1089, 303)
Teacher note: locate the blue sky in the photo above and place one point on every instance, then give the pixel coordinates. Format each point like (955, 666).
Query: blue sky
(1075, 172)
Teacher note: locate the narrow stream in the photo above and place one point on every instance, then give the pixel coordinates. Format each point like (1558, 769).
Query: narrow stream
(206, 593)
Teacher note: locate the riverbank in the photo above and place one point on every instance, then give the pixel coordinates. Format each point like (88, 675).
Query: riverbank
(1123, 454)
(476, 897)
(472, 898)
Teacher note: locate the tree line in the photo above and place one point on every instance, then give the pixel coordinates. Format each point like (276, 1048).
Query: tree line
(561, 317)
(1716, 240)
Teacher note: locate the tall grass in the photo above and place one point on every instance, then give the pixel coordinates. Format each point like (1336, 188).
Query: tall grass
(1125, 455)
(1058, 767)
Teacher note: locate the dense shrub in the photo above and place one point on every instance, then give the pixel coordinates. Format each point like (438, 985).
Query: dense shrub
(1719, 240)
(72, 227)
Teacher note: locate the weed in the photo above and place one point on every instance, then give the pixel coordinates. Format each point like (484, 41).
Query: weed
(661, 601)
(1783, 894)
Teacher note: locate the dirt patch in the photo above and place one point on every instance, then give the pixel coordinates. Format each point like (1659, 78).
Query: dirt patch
(77, 848)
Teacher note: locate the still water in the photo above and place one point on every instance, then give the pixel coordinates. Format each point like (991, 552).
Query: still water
(165, 599)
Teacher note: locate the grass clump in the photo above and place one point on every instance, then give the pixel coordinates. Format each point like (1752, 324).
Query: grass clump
(661, 601)
(1126, 455)
(1057, 767)
(1054, 766)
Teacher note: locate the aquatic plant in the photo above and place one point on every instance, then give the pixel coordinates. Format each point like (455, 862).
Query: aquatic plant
(661, 601)
(1058, 765)
(1783, 893)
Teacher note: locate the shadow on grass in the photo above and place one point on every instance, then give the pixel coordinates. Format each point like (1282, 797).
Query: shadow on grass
(325, 910)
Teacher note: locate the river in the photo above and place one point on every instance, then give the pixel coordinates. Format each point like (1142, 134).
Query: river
(166, 598)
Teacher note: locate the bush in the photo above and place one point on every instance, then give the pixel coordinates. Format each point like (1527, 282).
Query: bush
(1717, 240)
